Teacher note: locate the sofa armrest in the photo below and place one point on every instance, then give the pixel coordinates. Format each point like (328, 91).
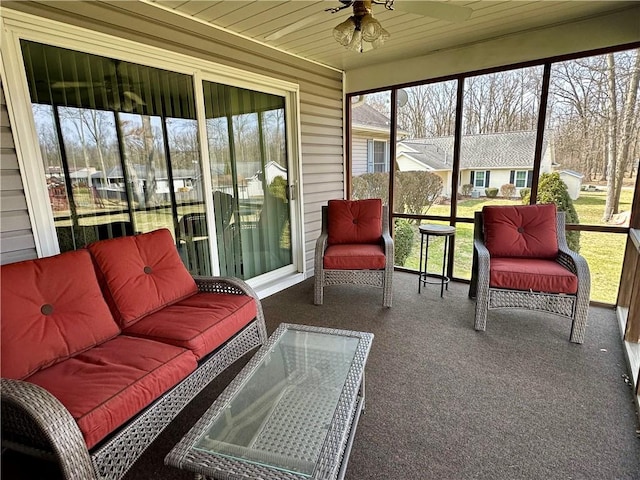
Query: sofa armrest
(36, 419)
(234, 286)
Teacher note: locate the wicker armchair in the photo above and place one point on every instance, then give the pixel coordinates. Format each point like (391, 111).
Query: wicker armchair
(360, 268)
(490, 290)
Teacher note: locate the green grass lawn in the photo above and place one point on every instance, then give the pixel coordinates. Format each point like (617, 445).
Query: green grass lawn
(604, 251)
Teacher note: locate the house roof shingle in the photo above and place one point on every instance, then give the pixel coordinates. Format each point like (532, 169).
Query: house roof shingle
(490, 150)
(365, 115)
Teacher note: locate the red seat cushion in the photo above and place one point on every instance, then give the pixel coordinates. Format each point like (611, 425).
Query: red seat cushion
(521, 230)
(107, 385)
(354, 221)
(354, 257)
(51, 308)
(538, 275)
(200, 323)
(141, 274)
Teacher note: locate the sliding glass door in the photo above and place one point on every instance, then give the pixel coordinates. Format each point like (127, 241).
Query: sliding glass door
(122, 155)
(249, 177)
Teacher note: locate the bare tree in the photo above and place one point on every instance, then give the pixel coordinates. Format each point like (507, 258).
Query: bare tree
(619, 140)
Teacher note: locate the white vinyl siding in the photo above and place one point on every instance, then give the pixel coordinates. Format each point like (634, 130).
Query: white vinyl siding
(359, 155)
(320, 88)
(16, 236)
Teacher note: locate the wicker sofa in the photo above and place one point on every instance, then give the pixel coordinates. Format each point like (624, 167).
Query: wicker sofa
(102, 347)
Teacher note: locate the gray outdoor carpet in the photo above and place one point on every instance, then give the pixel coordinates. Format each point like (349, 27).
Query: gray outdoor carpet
(518, 401)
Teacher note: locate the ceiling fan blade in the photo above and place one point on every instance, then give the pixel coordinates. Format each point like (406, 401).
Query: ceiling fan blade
(295, 26)
(440, 10)
(65, 84)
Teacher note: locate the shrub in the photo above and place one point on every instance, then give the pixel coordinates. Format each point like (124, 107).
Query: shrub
(508, 190)
(402, 240)
(370, 185)
(278, 188)
(551, 189)
(466, 189)
(491, 192)
(416, 191)
(525, 192)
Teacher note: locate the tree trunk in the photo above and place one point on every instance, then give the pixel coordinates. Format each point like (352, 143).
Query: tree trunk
(629, 121)
(151, 186)
(612, 120)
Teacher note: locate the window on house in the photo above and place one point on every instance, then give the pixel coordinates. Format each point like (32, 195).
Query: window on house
(378, 156)
(481, 179)
(521, 178)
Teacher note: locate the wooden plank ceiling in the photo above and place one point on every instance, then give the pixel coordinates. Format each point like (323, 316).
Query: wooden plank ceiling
(410, 34)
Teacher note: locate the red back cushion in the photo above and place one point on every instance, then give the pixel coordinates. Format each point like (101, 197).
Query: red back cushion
(141, 274)
(52, 308)
(521, 230)
(355, 221)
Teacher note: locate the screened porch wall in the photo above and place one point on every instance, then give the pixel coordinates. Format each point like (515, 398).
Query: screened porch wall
(321, 125)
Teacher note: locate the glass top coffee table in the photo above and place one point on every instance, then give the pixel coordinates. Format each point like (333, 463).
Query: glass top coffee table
(291, 413)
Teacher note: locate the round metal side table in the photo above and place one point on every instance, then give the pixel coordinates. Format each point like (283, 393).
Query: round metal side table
(433, 230)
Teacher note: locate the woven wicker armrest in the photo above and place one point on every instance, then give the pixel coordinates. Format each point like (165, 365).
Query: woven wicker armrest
(387, 242)
(321, 246)
(572, 261)
(483, 253)
(35, 421)
(234, 286)
(231, 285)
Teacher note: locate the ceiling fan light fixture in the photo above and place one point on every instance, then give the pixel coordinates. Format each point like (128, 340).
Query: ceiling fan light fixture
(343, 33)
(355, 44)
(361, 31)
(383, 37)
(370, 28)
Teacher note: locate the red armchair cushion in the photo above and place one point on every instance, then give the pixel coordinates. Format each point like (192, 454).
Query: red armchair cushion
(354, 257)
(107, 385)
(52, 308)
(521, 231)
(533, 274)
(141, 274)
(207, 320)
(354, 221)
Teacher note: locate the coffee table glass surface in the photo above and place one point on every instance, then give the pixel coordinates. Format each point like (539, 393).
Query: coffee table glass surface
(289, 412)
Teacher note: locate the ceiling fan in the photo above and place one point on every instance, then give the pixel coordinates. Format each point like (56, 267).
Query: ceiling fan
(362, 27)
(118, 87)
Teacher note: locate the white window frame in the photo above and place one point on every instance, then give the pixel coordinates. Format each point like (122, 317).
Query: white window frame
(16, 26)
(384, 163)
(477, 176)
(526, 178)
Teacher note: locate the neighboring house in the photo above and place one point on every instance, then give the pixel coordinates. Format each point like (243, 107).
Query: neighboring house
(573, 180)
(273, 170)
(370, 132)
(487, 160)
(183, 181)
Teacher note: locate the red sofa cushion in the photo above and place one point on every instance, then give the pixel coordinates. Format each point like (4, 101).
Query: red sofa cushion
(354, 257)
(521, 231)
(141, 274)
(107, 385)
(200, 323)
(354, 221)
(51, 308)
(534, 274)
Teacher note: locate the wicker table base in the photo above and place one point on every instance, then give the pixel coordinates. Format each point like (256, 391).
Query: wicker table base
(291, 413)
